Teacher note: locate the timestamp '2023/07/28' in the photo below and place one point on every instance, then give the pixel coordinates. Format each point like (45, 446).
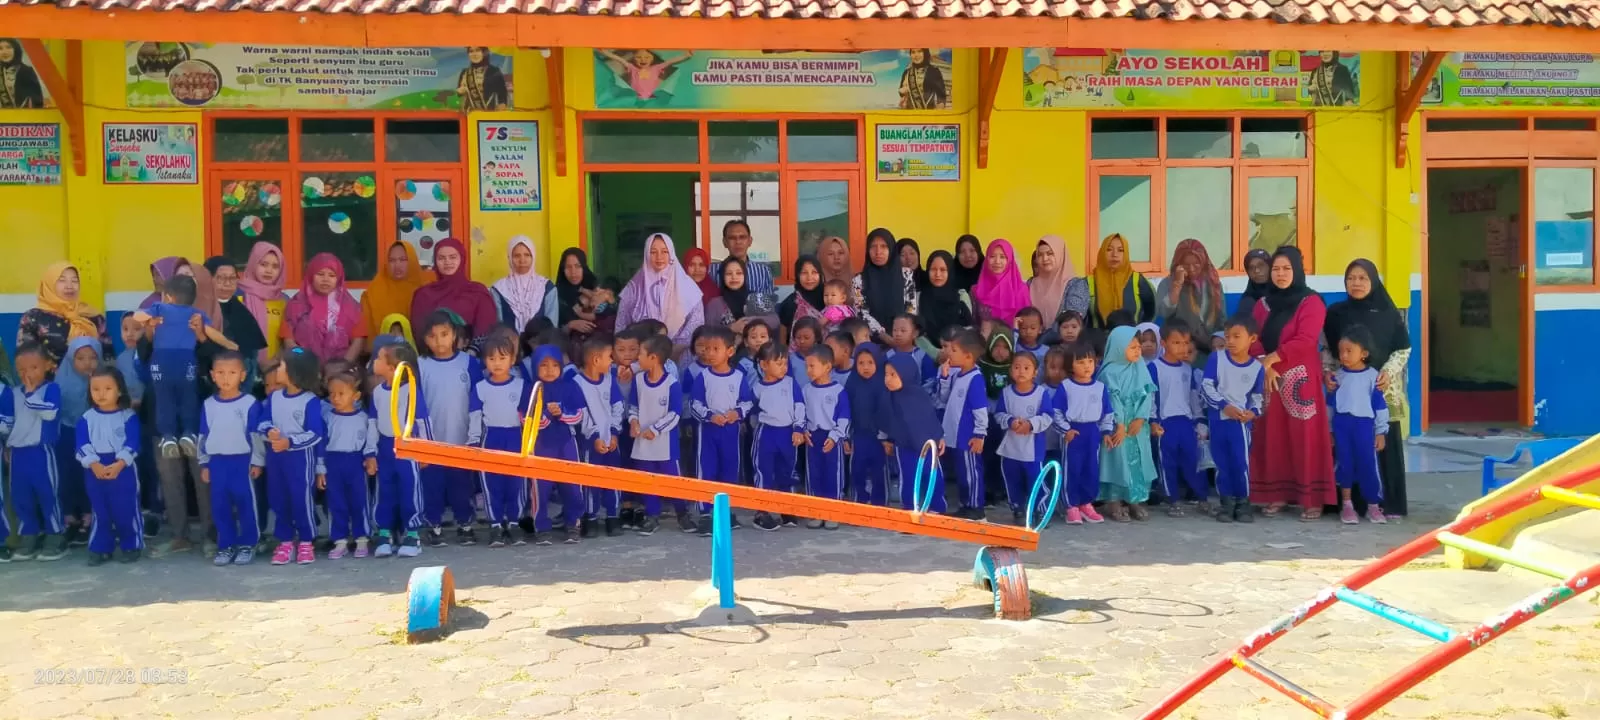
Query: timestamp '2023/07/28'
(110, 676)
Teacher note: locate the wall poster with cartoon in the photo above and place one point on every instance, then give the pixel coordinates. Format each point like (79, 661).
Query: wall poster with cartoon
(641, 78)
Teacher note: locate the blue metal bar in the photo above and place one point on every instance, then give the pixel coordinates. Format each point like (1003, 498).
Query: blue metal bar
(722, 550)
(1393, 614)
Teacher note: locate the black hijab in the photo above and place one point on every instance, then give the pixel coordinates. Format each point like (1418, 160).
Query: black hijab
(736, 299)
(940, 307)
(883, 286)
(964, 277)
(1376, 311)
(567, 294)
(917, 273)
(1254, 291)
(1282, 303)
(813, 297)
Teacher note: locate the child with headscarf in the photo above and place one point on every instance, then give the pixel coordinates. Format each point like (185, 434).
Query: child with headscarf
(1126, 466)
(82, 359)
(912, 423)
(869, 401)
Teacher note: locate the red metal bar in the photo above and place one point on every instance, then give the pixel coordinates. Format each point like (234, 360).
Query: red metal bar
(1284, 685)
(1400, 556)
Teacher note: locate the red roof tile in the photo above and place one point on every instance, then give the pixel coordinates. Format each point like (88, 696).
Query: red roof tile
(1437, 13)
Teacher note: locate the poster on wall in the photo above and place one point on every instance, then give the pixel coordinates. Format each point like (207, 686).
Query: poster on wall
(911, 79)
(30, 154)
(508, 166)
(22, 88)
(1086, 78)
(919, 152)
(1489, 79)
(292, 77)
(151, 154)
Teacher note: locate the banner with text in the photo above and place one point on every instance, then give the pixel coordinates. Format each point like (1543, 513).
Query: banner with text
(30, 154)
(919, 152)
(1488, 79)
(291, 77)
(153, 154)
(508, 165)
(1083, 78)
(915, 79)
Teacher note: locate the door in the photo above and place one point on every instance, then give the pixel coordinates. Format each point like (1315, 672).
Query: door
(425, 206)
(1561, 253)
(820, 204)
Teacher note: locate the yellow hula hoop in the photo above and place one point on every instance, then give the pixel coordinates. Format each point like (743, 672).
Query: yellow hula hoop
(402, 374)
(530, 422)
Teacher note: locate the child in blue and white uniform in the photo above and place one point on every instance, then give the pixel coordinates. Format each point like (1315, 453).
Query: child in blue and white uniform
(398, 503)
(1030, 328)
(1179, 413)
(29, 412)
(173, 365)
(827, 429)
(653, 417)
(903, 335)
(1360, 426)
(559, 411)
(497, 404)
(910, 424)
(780, 424)
(599, 436)
(348, 458)
(293, 424)
(1023, 414)
(108, 442)
(869, 405)
(1084, 414)
(72, 377)
(228, 445)
(965, 420)
(843, 345)
(719, 400)
(448, 375)
(1233, 391)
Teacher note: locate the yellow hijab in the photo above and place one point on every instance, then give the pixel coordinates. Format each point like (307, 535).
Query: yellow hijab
(1109, 284)
(387, 296)
(77, 313)
(391, 320)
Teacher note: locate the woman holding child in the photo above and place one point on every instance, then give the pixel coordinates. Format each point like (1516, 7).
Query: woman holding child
(885, 287)
(582, 307)
(806, 300)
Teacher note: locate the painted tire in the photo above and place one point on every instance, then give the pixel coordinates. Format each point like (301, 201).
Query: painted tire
(999, 569)
(430, 594)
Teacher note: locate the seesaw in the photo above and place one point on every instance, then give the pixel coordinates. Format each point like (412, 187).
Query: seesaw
(998, 567)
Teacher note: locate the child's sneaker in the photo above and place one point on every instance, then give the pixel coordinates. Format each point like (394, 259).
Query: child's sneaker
(223, 558)
(1243, 511)
(1375, 516)
(98, 559)
(77, 536)
(307, 554)
(506, 538)
(1018, 519)
(516, 540)
(648, 524)
(1074, 516)
(686, 523)
(410, 546)
(1090, 514)
(813, 524)
(130, 556)
(361, 548)
(385, 546)
(497, 537)
(1347, 514)
(436, 537)
(188, 446)
(574, 536)
(733, 522)
(54, 548)
(613, 527)
(766, 521)
(5, 554)
(830, 525)
(465, 536)
(340, 549)
(791, 521)
(169, 448)
(244, 556)
(283, 554)
(703, 527)
(628, 518)
(542, 539)
(591, 526)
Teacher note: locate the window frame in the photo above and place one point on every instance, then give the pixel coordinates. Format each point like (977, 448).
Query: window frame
(1241, 170)
(384, 171)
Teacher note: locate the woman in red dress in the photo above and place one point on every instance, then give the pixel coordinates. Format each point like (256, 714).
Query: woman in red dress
(1291, 454)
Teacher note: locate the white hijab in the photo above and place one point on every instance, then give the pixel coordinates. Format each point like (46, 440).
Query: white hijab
(524, 293)
(669, 294)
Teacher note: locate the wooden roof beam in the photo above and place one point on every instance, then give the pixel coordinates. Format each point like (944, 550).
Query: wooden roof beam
(555, 76)
(1408, 92)
(991, 66)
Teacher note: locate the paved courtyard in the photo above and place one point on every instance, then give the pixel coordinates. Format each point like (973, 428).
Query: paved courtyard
(854, 624)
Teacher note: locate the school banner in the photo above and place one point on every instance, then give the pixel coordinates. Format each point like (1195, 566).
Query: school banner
(30, 154)
(23, 89)
(919, 152)
(508, 165)
(290, 77)
(914, 79)
(1487, 79)
(151, 154)
(1202, 79)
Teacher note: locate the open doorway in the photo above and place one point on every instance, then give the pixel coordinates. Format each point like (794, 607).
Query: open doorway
(1476, 293)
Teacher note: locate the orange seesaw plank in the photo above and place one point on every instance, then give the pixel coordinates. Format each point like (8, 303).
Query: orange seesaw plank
(430, 452)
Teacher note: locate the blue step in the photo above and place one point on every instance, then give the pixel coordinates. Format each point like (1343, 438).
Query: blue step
(1393, 614)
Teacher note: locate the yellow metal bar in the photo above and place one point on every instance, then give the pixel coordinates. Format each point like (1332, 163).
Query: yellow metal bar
(1501, 555)
(1571, 497)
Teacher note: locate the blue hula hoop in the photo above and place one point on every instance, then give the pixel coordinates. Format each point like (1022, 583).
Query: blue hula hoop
(1055, 496)
(920, 500)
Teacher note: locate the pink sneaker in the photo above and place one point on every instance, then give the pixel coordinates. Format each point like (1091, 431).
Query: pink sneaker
(307, 554)
(1348, 516)
(283, 554)
(361, 548)
(1074, 516)
(1375, 516)
(339, 551)
(1090, 514)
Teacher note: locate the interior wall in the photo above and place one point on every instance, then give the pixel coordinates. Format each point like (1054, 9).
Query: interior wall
(627, 207)
(1474, 294)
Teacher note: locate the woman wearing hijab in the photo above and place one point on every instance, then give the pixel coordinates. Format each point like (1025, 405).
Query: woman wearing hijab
(1291, 451)
(19, 84)
(910, 255)
(941, 304)
(885, 287)
(1371, 306)
(1048, 287)
(578, 311)
(237, 323)
(833, 257)
(1193, 294)
(806, 300)
(661, 290)
(969, 262)
(454, 290)
(261, 286)
(697, 263)
(730, 307)
(160, 272)
(61, 315)
(1114, 285)
(391, 291)
(523, 294)
(1127, 468)
(482, 86)
(323, 318)
(1256, 264)
(1000, 292)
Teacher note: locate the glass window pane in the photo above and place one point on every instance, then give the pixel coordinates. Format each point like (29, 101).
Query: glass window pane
(422, 215)
(252, 211)
(1202, 210)
(339, 215)
(1273, 137)
(822, 141)
(422, 141)
(1475, 124)
(822, 209)
(638, 141)
(742, 142)
(753, 198)
(1125, 209)
(1563, 226)
(250, 140)
(1122, 138)
(1196, 138)
(1563, 123)
(336, 140)
(1274, 207)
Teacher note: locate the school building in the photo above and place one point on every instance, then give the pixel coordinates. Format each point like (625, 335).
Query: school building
(1457, 149)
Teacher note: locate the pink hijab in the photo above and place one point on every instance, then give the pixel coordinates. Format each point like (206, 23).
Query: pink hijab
(1047, 290)
(668, 295)
(256, 293)
(1004, 293)
(323, 324)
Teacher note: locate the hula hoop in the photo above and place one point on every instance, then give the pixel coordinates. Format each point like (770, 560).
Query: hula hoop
(1033, 497)
(921, 501)
(402, 374)
(530, 422)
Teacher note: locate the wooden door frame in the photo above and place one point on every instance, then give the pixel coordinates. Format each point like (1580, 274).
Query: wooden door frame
(790, 204)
